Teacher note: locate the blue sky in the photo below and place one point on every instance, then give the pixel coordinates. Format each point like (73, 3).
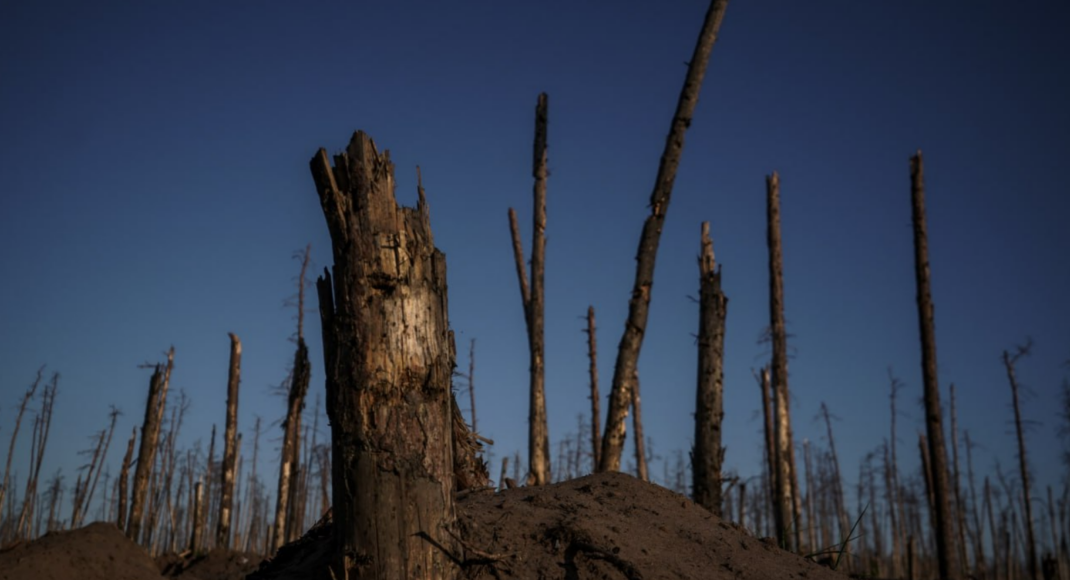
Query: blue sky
(154, 184)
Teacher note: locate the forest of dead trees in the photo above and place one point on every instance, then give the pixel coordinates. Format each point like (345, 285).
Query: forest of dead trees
(944, 520)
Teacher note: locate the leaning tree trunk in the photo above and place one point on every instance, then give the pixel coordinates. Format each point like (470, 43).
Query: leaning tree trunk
(707, 455)
(389, 358)
(624, 372)
(230, 452)
(291, 426)
(945, 545)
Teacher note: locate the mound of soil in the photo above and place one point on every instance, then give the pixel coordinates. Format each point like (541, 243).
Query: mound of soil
(215, 565)
(604, 526)
(96, 552)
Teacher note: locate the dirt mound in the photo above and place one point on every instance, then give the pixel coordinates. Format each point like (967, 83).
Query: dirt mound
(96, 552)
(605, 526)
(215, 565)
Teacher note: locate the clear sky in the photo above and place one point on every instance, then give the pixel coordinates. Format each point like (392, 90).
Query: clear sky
(154, 185)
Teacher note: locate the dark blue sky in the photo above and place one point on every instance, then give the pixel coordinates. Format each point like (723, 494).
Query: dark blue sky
(154, 183)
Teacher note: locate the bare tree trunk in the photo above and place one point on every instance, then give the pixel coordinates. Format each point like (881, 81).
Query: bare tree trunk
(708, 453)
(945, 543)
(811, 529)
(124, 479)
(596, 412)
(299, 383)
(389, 357)
(42, 425)
(197, 533)
(960, 508)
(150, 436)
(5, 483)
(837, 482)
(631, 341)
(226, 494)
(534, 304)
(980, 567)
(783, 507)
(770, 441)
(895, 499)
(1030, 539)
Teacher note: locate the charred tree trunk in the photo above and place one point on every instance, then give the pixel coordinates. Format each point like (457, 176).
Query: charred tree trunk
(708, 454)
(150, 437)
(596, 412)
(299, 383)
(230, 454)
(534, 303)
(784, 477)
(5, 483)
(624, 372)
(389, 357)
(124, 478)
(1023, 465)
(945, 544)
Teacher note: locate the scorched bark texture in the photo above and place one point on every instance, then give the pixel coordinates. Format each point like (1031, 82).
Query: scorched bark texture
(389, 356)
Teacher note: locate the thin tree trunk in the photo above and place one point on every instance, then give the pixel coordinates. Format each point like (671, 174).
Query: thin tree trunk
(226, 494)
(534, 305)
(770, 441)
(837, 487)
(979, 564)
(43, 426)
(956, 487)
(631, 341)
(596, 413)
(299, 384)
(1030, 539)
(5, 483)
(811, 529)
(124, 479)
(708, 453)
(945, 543)
(196, 540)
(898, 535)
(389, 357)
(784, 505)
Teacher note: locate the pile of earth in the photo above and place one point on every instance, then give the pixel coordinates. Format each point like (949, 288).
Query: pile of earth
(604, 526)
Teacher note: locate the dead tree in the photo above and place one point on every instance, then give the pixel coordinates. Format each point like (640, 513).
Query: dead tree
(283, 529)
(150, 436)
(42, 426)
(956, 489)
(124, 479)
(637, 425)
(534, 302)
(389, 357)
(708, 454)
(624, 372)
(784, 479)
(472, 381)
(5, 483)
(945, 543)
(230, 450)
(596, 413)
(1009, 361)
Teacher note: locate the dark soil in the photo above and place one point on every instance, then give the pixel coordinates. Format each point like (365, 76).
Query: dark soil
(605, 526)
(599, 527)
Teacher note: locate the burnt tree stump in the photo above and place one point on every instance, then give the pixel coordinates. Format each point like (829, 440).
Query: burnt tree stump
(389, 357)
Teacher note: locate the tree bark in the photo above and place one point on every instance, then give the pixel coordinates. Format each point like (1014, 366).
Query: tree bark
(784, 505)
(291, 427)
(230, 453)
(124, 480)
(389, 357)
(641, 470)
(945, 544)
(708, 454)
(624, 372)
(596, 413)
(1023, 465)
(150, 437)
